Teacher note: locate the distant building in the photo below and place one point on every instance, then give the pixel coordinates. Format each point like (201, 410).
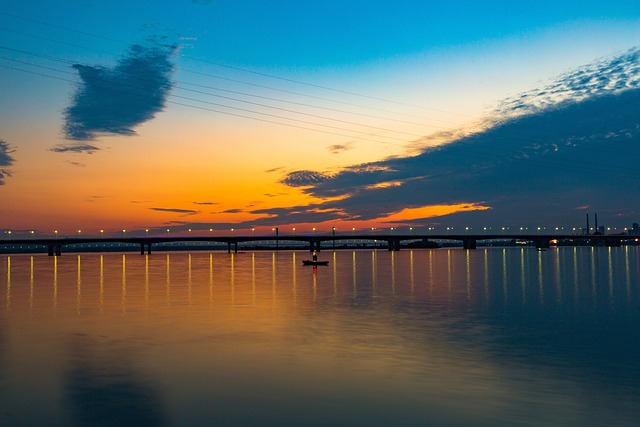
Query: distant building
(635, 229)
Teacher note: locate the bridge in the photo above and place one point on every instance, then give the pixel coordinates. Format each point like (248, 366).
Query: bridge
(54, 245)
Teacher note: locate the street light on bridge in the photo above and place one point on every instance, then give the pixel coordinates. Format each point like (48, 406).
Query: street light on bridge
(333, 232)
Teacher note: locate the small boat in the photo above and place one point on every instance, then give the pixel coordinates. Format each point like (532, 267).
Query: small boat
(314, 263)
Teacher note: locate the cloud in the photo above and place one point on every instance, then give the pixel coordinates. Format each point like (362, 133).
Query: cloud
(75, 148)
(205, 203)
(77, 164)
(577, 148)
(113, 101)
(304, 178)
(176, 210)
(338, 148)
(608, 76)
(274, 169)
(6, 160)
(97, 198)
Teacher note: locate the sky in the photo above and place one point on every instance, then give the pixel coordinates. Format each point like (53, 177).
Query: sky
(217, 115)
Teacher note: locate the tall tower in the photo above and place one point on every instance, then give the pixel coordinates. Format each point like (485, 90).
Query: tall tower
(588, 230)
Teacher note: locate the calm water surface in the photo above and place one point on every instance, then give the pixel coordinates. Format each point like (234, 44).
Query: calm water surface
(426, 337)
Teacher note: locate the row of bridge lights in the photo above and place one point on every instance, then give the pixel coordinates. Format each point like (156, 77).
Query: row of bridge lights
(353, 229)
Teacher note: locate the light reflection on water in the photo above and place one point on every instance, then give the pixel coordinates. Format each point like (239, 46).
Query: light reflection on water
(502, 336)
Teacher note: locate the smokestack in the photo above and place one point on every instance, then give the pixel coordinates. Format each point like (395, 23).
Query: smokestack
(588, 230)
(596, 220)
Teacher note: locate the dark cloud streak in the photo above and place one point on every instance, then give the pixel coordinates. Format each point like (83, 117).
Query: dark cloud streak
(176, 210)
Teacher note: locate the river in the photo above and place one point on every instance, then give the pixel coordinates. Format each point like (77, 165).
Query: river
(443, 337)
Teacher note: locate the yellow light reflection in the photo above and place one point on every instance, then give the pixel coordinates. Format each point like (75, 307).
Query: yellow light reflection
(78, 288)
(124, 284)
(146, 282)
(8, 283)
(189, 281)
(55, 285)
(101, 282)
(31, 281)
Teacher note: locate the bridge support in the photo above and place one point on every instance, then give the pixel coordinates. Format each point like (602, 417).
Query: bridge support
(142, 248)
(54, 249)
(469, 243)
(613, 243)
(542, 243)
(314, 245)
(235, 247)
(393, 244)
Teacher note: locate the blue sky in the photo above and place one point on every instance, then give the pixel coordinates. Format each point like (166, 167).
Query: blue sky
(204, 90)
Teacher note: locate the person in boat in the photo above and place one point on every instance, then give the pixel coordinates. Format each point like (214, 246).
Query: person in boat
(315, 256)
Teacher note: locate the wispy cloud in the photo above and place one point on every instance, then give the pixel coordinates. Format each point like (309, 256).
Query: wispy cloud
(76, 164)
(339, 148)
(6, 160)
(176, 210)
(113, 101)
(274, 169)
(205, 203)
(75, 148)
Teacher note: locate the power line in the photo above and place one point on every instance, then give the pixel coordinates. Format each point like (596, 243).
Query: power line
(250, 95)
(465, 150)
(367, 138)
(237, 68)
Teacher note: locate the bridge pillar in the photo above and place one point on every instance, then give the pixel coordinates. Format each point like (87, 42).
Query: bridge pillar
(542, 243)
(613, 243)
(393, 244)
(141, 248)
(149, 249)
(235, 247)
(50, 249)
(469, 243)
(228, 247)
(314, 245)
(58, 248)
